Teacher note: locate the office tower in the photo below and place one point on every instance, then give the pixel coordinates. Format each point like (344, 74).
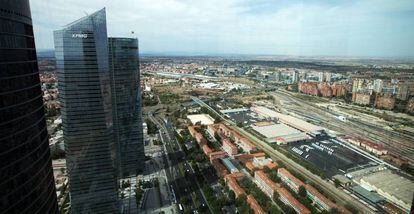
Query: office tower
(81, 50)
(321, 77)
(126, 105)
(26, 175)
(328, 77)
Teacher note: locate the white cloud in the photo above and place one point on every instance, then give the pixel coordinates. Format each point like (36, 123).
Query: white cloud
(367, 27)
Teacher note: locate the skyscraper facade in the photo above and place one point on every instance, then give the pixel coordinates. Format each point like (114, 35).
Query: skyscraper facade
(126, 105)
(81, 50)
(26, 175)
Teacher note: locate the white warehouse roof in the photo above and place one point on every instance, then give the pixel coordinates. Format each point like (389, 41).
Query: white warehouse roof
(287, 119)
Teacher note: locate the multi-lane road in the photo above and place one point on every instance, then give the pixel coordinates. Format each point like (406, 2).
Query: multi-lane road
(183, 187)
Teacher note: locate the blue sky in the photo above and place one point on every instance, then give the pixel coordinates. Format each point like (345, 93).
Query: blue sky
(365, 28)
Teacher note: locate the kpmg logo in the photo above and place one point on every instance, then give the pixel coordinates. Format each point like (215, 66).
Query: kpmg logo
(80, 35)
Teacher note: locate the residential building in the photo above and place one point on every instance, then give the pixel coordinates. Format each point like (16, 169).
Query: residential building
(378, 84)
(362, 98)
(269, 187)
(229, 147)
(328, 77)
(318, 199)
(264, 183)
(295, 76)
(81, 50)
(217, 155)
(257, 209)
(384, 101)
(321, 77)
(234, 186)
(290, 180)
(126, 106)
(26, 175)
(357, 84)
(220, 168)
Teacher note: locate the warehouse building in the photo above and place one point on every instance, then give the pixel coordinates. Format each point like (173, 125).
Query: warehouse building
(279, 133)
(395, 188)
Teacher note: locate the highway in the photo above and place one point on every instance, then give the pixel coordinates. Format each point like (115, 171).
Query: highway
(182, 189)
(328, 188)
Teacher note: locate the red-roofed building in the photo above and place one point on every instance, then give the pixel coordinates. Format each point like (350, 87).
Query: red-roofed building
(206, 150)
(216, 155)
(318, 199)
(368, 145)
(269, 187)
(264, 183)
(257, 209)
(289, 200)
(246, 145)
(229, 147)
(201, 140)
(234, 186)
(289, 179)
(220, 168)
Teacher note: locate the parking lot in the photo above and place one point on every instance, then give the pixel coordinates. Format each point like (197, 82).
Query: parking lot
(328, 156)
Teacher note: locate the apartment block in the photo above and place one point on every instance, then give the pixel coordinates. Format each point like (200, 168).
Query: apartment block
(289, 179)
(229, 147)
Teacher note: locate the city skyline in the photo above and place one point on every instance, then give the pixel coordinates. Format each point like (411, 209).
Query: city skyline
(315, 28)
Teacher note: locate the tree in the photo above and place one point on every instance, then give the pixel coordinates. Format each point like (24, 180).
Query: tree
(337, 183)
(275, 196)
(266, 170)
(232, 196)
(302, 192)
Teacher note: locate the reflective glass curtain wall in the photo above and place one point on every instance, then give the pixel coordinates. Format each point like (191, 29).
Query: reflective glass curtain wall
(126, 105)
(26, 174)
(81, 50)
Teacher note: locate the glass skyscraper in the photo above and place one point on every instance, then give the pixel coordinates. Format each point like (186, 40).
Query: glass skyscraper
(126, 105)
(26, 175)
(81, 50)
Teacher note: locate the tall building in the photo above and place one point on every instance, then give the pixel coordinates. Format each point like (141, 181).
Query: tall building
(357, 84)
(328, 77)
(378, 84)
(321, 77)
(126, 105)
(295, 77)
(81, 50)
(26, 175)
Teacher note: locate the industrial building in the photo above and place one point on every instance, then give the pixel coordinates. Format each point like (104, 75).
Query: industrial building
(279, 133)
(395, 188)
(288, 120)
(203, 119)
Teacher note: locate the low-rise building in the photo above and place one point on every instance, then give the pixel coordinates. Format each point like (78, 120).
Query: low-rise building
(206, 149)
(289, 179)
(264, 183)
(216, 155)
(234, 186)
(201, 140)
(229, 147)
(318, 199)
(246, 145)
(220, 168)
(257, 209)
